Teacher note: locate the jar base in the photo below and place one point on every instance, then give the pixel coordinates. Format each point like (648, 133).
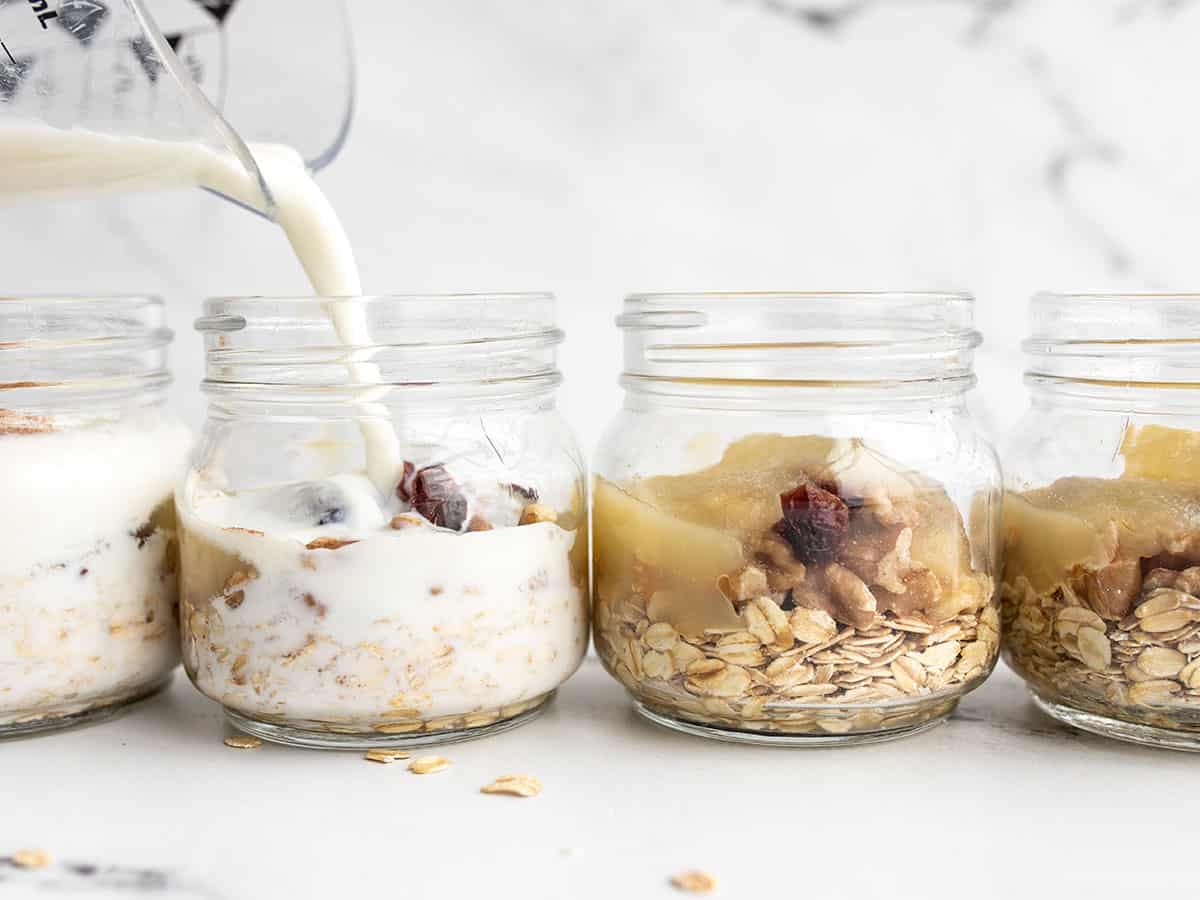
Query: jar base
(768, 739)
(51, 722)
(1118, 729)
(313, 739)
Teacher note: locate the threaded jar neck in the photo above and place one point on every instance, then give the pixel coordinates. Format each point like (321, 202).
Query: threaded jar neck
(1120, 351)
(316, 350)
(786, 347)
(85, 355)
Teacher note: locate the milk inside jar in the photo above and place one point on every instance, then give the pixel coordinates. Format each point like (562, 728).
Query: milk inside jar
(91, 456)
(395, 588)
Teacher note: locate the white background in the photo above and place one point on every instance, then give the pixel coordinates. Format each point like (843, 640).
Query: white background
(594, 149)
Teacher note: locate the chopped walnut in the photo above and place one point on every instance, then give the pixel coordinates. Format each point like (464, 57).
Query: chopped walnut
(537, 512)
(328, 543)
(853, 602)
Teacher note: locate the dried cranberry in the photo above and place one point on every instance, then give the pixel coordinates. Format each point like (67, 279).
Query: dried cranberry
(404, 490)
(814, 523)
(436, 496)
(852, 502)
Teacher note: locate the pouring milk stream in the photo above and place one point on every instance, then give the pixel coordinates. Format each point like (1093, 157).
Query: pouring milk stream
(40, 160)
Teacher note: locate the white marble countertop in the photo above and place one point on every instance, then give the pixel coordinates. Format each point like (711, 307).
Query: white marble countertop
(999, 802)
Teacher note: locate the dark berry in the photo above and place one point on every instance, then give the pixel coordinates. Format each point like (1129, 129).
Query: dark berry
(814, 523)
(318, 503)
(332, 516)
(436, 496)
(404, 490)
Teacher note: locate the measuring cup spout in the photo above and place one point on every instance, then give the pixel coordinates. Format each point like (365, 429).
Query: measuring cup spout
(205, 111)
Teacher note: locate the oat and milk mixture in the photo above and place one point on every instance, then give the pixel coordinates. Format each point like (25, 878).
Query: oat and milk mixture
(800, 585)
(400, 598)
(442, 608)
(1101, 588)
(389, 598)
(88, 574)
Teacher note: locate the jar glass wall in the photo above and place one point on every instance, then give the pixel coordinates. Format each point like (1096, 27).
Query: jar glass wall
(1101, 587)
(383, 531)
(794, 516)
(88, 585)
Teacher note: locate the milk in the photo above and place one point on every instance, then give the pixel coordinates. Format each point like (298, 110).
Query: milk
(417, 626)
(40, 161)
(87, 590)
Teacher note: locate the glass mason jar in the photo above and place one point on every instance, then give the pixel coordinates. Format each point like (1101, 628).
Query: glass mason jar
(88, 583)
(1101, 586)
(794, 516)
(383, 541)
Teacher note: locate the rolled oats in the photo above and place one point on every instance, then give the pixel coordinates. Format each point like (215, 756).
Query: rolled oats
(1161, 662)
(428, 765)
(660, 636)
(723, 681)
(657, 665)
(243, 742)
(751, 582)
(514, 785)
(385, 756)
(812, 626)
(939, 656)
(1167, 621)
(694, 882)
(31, 859)
(1094, 648)
(1109, 634)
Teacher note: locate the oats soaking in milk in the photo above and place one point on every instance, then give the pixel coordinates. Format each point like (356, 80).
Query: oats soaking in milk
(414, 595)
(89, 458)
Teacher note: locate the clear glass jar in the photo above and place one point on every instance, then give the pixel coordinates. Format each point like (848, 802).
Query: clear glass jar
(1101, 586)
(88, 584)
(384, 542)
(794, 516)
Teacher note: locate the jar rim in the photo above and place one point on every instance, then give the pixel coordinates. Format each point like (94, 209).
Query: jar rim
(431, 342)
(60, 351)
(228, 314)
(862, 340)
(405, 297)
(1114, 341)
(877, 296)
(1145, 297)
(116, 299)
(49, 323)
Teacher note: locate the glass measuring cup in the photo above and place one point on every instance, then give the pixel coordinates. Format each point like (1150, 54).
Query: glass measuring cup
(191, 70)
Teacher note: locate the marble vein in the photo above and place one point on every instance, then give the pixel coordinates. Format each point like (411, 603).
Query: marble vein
(1082, 145)
(832, 18)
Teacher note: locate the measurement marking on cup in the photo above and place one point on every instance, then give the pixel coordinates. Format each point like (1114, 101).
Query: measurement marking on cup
(8, 53)
(41, 9)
